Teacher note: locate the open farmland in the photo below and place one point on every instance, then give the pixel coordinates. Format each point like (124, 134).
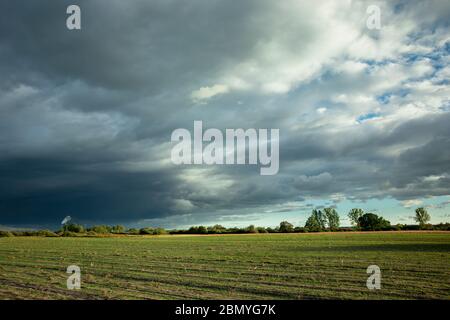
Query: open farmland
(414, 265)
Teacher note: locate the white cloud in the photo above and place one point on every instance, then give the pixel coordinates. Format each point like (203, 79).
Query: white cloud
(434, 178)
(205, 93)
(411, 203)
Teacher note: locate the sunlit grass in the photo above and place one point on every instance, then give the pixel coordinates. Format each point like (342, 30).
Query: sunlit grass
(270, 266)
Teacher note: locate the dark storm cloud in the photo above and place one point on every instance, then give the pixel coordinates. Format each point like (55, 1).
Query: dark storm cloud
(86, 116)
(148, 45)
(37, 190)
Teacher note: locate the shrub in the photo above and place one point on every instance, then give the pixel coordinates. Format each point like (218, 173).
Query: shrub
(217, 229)
(78, 228)
(146, 231)
(236, 230)
(118, 229)
(46, 233)
(198, 230)
(100, 229)
(69, 234)
(442, 226)
(30, 233)
(159, 231)
(153, 231)
(411, 227)
(4, 234)
(133, 231)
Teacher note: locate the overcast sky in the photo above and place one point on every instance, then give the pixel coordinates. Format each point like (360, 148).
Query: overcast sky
(86, 115)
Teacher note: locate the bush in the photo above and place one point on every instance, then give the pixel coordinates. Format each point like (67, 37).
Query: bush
(261, 230)
(159, 231)
(69, 234)
(78, 228)
(118, 229)
(235, 230)
(427, 226)
(217, 229)
(146, 231)
(198, 230)
(442, 226)
(4, 234)
(100, 229)
(46, 233)
(410, 227)
(30, 233)
(133, 231)
(152, 231)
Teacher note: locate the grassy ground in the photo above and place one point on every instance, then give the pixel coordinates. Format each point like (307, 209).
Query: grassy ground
(294, 266)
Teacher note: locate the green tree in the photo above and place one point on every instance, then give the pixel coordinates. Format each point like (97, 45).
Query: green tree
(286, 227)
(316, 222)
(6, 234)
(198, 230)
(312, 224)
(118, 229)
(370, 222)
(77, 228)
(133, 231)
(100, 229)
(251, 229)
(422, 216)
(217, 229)
(146, 230)
(332, 218)
(158, 231)
(202, 230)
(271, 230)
(261, 230)
(354, 216)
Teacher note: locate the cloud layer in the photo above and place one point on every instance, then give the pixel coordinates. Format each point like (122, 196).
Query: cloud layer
(86, 116)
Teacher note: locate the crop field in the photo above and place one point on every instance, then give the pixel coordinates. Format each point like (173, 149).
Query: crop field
(414, 265)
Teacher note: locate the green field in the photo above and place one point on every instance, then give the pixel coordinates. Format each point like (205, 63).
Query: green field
(275, 266)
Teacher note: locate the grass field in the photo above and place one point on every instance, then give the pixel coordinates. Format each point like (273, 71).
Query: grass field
(271, 266)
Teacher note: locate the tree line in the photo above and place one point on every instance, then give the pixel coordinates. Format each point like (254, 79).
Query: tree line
(327, 219)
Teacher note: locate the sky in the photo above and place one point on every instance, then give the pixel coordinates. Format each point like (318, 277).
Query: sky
(86, 116)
